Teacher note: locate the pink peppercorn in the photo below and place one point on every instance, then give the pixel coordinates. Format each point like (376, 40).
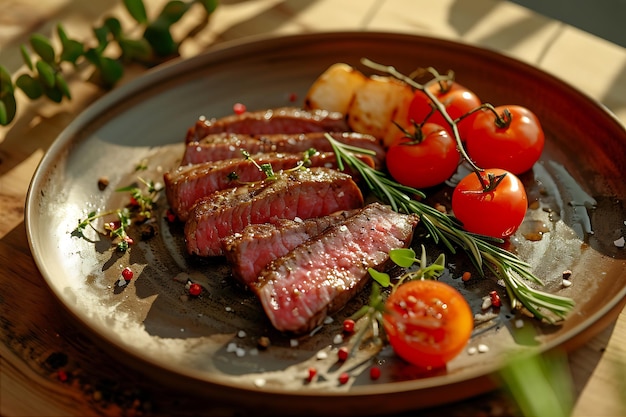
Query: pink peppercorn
(312, 374)
(127, 274)
(374, 372)
(344, 378)
(495, 299)
(195, 289)
(348, 326)
(343, 353)
(239, 108)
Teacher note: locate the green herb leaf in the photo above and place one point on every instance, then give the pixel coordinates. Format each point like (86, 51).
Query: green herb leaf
(209, 5)
(111, 70)
(46, 73)
(6, 86)
(404, 257)
(26, 57)
(30, 86)
(160, 39)
(137, 10)
(102, 34)
(42, 46)
(380, 277)
(114, 26)
(173, 11)
(135, 49)
(53, 93)
(61, 84)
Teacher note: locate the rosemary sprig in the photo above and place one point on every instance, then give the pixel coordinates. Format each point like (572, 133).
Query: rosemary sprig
(444, 228)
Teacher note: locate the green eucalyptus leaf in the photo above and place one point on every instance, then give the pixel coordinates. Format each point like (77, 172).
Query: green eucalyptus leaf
(114, 26)
(209, 5)
(93, 55)
(30, 86)
(136, 49)
(61, 84)
(46, 73)
(6, 86)
(137, 10)
(160, 39)
(111, 70)
(8, 107)
(26, 57)
(42, 46)
(61, 33)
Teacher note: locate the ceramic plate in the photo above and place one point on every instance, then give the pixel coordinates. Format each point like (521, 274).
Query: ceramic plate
(209, 344)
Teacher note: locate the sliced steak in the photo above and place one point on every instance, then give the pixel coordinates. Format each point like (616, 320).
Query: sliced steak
(257, 245)
(218, 146)
(279, 120)
(187, 184)
(304, 194)
(318, 277)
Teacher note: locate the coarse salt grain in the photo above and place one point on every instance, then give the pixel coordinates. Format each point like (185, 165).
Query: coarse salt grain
(328, 320)
(483, 348)
(472, 351)
(567, 283)
(231, 347)
(293, 342)
(240, 352)
(619, 242)
(322, 355)
(519, 323)
(259, 382)
(241, 334)
(338, 339)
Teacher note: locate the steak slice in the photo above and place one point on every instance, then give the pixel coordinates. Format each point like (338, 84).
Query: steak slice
(279, 120)
(257, 245)
(218, 146)
(187, 184)
(318, 277)
(304, 194)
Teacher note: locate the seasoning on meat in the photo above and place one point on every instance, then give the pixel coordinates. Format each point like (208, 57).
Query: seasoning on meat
(280, 120)
(318, 277)
(257, 245)
(304, 194)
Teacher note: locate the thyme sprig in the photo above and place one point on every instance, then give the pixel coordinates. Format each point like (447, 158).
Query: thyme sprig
(445, 229)
(139, 209)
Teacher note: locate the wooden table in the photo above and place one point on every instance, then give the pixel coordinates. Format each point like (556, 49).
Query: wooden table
(49, 366)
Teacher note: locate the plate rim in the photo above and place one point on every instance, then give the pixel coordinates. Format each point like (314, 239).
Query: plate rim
(166, 71)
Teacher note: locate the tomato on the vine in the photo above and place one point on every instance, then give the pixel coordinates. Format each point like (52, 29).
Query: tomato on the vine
(427, 322)
(510, 138)
(496, 212)
(427, 158)
(456, 99)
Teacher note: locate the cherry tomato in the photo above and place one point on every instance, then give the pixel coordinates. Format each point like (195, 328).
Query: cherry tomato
(427, 322)
(494, 141)
(456, 99)
(498, 212)
(426, 160)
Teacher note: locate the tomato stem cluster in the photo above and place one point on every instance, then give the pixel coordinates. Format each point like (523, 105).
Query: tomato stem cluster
(446, 229)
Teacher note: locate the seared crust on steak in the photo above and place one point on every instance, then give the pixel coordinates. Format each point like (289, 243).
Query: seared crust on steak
(318, 277)
(187, 184)
(218, 146)
(307, 193)
(279, 120)
(257, 245)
